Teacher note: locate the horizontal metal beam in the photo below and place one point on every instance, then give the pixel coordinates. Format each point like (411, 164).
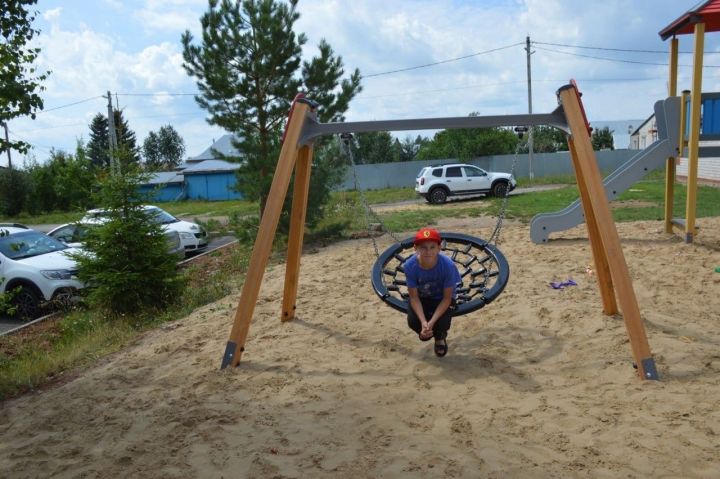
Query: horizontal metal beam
(313, 129)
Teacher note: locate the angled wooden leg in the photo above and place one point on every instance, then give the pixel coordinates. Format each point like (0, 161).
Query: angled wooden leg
(610, 240)
(264, 240)
(601, 263)
(297, 230)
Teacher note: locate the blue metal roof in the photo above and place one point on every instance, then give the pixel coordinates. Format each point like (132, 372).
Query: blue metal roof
(223, 145)
(164, 177)
(208, 166)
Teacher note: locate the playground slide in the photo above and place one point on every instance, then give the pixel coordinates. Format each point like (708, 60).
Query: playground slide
(667, 117)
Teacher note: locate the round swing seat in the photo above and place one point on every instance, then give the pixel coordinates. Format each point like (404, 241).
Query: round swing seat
(483, 269)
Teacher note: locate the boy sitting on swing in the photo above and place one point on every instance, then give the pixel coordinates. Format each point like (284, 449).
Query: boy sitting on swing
(431, 281)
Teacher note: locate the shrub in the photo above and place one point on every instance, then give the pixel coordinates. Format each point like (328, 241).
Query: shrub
(126, 264)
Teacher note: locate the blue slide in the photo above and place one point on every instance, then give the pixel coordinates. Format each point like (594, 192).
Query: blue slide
(667, 117)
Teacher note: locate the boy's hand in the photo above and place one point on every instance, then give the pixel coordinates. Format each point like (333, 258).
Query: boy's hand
(426, 330)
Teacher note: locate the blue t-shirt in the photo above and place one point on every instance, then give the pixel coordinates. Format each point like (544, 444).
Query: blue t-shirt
(431, 282)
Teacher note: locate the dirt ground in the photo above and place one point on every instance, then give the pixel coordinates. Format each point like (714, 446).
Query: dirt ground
(537, 384)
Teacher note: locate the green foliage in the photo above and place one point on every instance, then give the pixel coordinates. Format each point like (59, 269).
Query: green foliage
(328, 169)
(546, 139)
(248, 68)
(408, 148)
(98, 148)
(6, 305)
(468, 143)
(19, 80)
(14, 185)
(602, 139)
(164, 149)
(63, 183)
(373, 147)
(126, 264)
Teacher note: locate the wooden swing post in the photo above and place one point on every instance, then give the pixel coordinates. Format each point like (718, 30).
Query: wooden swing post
(266, 233)
(297, 231)
(604, 238)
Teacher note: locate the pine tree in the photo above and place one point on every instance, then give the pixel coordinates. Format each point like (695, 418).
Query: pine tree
(98, 148)
(248, 68)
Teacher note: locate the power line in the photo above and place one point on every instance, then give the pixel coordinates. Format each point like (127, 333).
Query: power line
(71, 104)
(157, 94)
(628, 50)
(443, 61)
(34, 145)
(637, 62)
(484, 85)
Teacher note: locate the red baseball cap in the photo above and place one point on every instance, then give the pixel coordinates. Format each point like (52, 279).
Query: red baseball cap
(427, 234)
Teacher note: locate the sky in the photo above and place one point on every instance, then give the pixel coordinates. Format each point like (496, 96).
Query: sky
(418, 58)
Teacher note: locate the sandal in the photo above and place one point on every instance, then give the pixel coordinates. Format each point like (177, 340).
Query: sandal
(441, 349)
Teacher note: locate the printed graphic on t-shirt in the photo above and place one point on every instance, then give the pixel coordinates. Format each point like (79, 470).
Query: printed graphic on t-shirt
(429, 289)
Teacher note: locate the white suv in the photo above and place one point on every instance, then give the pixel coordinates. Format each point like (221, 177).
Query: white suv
(192, 236)
(437, 183)
(34, 269)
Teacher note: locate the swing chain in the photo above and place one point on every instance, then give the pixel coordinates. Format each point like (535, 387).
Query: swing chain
(495, 236)
(367, 210)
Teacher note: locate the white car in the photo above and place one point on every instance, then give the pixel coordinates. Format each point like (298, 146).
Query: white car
(35, 269)
(192, 236)
(73, 234)
(437, 183)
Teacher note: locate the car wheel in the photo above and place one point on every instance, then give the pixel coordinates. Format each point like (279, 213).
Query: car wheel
(499, 189)
(64, 300)
(26, 302)
(438, 196)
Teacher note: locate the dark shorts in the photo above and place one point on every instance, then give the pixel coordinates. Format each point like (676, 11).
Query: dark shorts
(442, 325)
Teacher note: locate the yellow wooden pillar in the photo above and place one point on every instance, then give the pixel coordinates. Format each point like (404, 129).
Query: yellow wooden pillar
(694, 136)
(670, 166)
(604, 231)
(266, 234)
(297, 230)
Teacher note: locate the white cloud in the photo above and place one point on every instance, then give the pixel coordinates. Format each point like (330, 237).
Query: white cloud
(171, 15)
(142, 54)
(158, 66)
(53, 14)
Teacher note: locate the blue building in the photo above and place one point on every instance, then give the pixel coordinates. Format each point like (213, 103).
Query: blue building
(201, 177)
(212, 180)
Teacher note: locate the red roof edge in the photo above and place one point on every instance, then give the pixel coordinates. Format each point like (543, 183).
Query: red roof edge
(707, 12)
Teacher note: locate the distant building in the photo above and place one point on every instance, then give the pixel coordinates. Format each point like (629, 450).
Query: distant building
(223, 146)
(708, 163)
(644, 135)
(201, 177)
(621, 130)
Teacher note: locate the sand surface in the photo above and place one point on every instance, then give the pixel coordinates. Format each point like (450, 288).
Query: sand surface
(538, 384)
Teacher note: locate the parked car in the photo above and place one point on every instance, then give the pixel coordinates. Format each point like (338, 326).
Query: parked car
(35, 269)
(437, 183)
(73, 234)
(192, 236)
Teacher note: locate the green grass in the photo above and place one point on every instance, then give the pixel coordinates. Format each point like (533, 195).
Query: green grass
(25, 365)
(84, 335)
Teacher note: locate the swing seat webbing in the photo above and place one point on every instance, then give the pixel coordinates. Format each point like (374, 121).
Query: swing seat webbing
(484, 272)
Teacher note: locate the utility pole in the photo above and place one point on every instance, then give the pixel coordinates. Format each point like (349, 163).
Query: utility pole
(530, 133)
(7, 143)
(112, 138)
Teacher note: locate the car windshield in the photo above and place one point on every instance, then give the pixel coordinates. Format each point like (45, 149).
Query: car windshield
(28, 244)
(162, 216)
(421, 172)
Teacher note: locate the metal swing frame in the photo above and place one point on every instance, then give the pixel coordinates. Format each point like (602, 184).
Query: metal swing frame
(296, 154)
